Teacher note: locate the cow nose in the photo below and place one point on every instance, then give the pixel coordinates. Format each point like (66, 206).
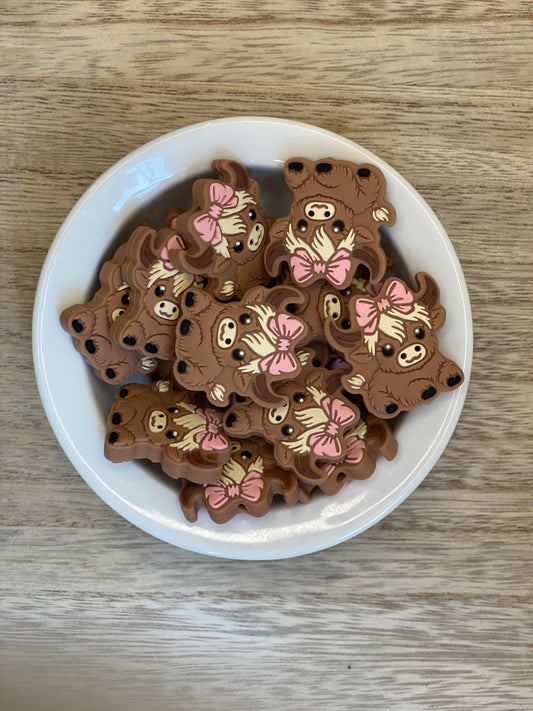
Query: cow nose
(129, 340)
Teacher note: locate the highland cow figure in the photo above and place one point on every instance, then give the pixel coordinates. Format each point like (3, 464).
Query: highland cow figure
(169, 426)
(149, 325)
(332, 227)
(90, 326)
(225, 233)
(242, 347)
(393, 349)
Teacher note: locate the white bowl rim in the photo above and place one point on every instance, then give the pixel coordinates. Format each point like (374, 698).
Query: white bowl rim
(150, 526)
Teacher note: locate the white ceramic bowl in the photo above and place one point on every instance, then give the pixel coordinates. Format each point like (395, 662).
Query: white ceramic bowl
(147, 182)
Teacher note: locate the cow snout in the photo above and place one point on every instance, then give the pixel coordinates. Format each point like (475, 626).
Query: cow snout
(167, 310)
(410, 355)
(320, 210)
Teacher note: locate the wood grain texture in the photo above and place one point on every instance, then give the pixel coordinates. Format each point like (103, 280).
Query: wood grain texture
(432, 607)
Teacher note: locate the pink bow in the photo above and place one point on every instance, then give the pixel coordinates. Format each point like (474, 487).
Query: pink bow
(367, 311)
(355, 449)
(221, 197)
(287, 330)
(175, 242)
(249, 489)
(335, 269)
(328, 443)
(210, 438)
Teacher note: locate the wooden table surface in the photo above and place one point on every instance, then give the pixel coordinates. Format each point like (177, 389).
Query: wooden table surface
(429, 609)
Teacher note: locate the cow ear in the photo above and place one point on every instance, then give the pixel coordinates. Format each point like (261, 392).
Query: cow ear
(283, 455)
(232, 173)
(438, 317)
(362, 235)
(255, 295)
(297, 172)
(279, 227)
(241, 380)
(219, 263)
(428, 291)
(360, 356)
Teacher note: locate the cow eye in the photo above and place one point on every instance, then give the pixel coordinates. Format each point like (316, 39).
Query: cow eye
(419, 333)
(160, 290)
(387, 350)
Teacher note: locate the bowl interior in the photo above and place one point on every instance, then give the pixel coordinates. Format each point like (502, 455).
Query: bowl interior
(143, 186)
